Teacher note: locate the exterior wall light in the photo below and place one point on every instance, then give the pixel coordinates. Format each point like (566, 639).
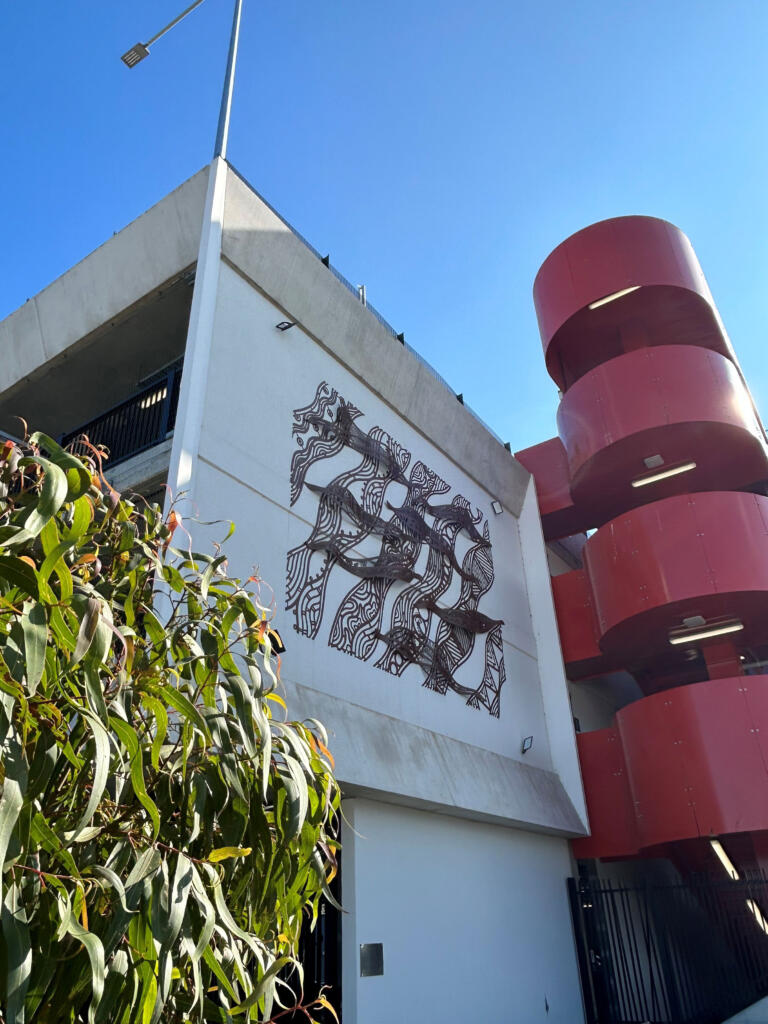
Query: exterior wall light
(643, 481)
(496, 506)
(724, 859)
(526, 744)
(612, 297)
(285, 325)
(686, 636)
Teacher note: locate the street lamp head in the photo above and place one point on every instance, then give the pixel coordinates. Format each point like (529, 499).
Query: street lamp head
(135, 54)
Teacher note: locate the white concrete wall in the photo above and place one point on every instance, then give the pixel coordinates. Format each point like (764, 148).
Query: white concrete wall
(473, 919)
(257, 376)
(278, 372)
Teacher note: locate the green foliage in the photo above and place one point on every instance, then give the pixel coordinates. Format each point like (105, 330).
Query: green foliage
(163, 834)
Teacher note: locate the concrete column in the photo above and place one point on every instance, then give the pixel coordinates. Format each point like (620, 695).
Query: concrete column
(186, 437)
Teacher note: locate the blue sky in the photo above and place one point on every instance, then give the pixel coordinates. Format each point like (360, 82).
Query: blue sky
(437, 151)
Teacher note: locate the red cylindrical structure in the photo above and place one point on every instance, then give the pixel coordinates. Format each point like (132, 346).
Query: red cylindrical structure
(683, 764)
(661, 451)
(657, 409)
(671, 303)
(700, 555)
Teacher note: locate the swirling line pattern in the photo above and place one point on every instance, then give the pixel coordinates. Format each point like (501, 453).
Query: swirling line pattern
(438, 638)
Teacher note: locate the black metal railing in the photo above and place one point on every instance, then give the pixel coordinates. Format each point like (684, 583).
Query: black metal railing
(691, 953)
(140, 422)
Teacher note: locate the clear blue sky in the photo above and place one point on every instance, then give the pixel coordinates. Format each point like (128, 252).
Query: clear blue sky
(438, 151)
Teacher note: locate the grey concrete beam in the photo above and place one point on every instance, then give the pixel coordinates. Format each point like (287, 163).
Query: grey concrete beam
(396, 762)
(145, 254)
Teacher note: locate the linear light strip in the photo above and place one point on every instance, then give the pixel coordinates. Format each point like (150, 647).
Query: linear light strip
(758, 915)
(724, 859)
(704, 634)
(612, 297)
(643, 481)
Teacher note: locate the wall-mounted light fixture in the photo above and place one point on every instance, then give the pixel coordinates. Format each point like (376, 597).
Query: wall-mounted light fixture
(612, 297)
(285, 325)
(688, 635)
(526, 744)
(497, 507)
(724, 859)
(643, 481)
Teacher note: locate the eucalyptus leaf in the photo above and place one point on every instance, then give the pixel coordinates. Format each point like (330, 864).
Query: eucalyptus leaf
(163, 839)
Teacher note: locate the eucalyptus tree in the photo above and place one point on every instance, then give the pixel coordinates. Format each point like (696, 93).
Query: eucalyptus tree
(165, 833)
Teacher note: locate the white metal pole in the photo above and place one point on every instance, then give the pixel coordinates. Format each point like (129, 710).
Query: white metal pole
(222, 132)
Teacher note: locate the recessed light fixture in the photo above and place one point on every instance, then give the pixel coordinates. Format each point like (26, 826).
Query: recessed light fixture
(685, 636)
(643, 481)
(612, 297)
(694, 620)
(724, 859)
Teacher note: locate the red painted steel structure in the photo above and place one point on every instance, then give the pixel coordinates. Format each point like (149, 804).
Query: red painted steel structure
(660, 451)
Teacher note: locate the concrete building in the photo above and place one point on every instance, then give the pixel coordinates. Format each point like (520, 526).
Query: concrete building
(478, 631)
(404, 547)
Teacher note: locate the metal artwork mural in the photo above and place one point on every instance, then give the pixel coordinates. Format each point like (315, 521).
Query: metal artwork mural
(351, 511)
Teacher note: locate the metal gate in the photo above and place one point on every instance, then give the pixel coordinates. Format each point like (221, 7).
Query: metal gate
(690, 953)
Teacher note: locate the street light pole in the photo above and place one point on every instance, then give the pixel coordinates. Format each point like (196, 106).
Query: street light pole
(197, 353)
(222, 132)
(139, 51)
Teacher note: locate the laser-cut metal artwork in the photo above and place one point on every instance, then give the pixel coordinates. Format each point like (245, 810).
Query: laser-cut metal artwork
(406, 611)
(358, 620)
(351, 436)
(460, 516)
(473, 622)
(348, 514)
(386, 566)
(414, 524)
(308, 580)
(337, 495)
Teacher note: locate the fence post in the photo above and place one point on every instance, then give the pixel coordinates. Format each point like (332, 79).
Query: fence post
(582, 952)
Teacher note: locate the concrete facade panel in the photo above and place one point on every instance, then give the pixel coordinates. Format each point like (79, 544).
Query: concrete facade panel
(482, 890)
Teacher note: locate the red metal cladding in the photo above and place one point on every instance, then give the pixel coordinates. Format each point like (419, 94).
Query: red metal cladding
(613, 827)
(690, 555)
(577, 625)
(671, 303)
(548, 464)
(672, 405)
(695, 760)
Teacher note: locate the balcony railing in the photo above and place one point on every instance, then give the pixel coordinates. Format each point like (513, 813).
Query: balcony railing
(140, 422)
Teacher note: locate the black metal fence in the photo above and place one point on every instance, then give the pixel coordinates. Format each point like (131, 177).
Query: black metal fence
(140, 422)
(691, 953)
